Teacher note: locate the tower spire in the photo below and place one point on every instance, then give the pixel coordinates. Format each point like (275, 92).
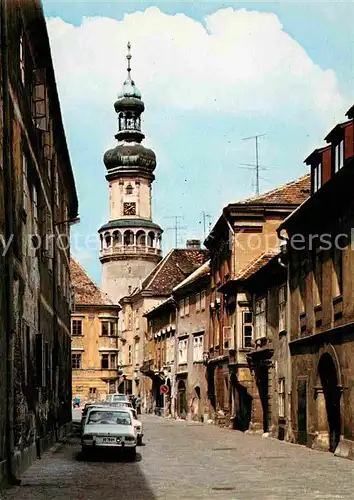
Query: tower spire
(129, 56)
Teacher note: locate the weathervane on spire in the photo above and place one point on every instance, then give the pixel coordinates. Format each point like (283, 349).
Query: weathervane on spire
(129, 56)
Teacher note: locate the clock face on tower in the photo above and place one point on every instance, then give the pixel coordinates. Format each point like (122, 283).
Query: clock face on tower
(129, 208)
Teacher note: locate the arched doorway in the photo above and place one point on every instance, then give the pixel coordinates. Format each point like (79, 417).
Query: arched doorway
(181, 400)
(332, 393)
(195, 404)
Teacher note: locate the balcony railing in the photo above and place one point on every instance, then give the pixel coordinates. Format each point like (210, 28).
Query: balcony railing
(129, 249)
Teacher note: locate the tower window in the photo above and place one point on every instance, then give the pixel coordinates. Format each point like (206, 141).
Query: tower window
(129, 189)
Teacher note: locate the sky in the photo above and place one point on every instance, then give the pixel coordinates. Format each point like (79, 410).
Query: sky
(211, 74)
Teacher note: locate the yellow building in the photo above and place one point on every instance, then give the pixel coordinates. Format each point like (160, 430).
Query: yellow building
(95, 342)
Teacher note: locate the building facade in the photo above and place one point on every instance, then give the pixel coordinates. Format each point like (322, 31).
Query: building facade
(320, 265)
(95, 344)
(190, 387)
(130, 241)
(265, 283)
(39, 201)
(243, 232)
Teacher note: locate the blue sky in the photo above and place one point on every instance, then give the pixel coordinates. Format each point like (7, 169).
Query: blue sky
(211, 75)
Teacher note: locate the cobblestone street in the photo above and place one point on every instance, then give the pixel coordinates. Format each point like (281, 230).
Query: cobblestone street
(190, 461)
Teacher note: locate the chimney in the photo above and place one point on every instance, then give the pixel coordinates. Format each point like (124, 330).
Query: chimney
(193, 245)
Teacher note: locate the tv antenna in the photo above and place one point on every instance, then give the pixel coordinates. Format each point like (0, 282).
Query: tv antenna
(256, 167)
(206, 223)
(176, 227)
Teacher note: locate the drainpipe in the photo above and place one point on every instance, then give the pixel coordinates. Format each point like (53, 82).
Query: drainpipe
(9, 231)
(285, 245)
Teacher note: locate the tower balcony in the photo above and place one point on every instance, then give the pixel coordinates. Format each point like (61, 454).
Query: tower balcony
(114, 250)
(138, 242)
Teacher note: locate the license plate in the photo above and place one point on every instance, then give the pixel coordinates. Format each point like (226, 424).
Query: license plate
(110, 440)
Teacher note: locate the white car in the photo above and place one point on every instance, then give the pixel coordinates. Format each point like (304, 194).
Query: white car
(136, 422)
(109, 428)
(116, 398)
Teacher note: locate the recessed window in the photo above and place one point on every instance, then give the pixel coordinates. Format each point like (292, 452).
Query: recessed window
(183, 351)
(247, 327)
(317, 177)
(105, 361)
(129, 189)
(76, 361)
(282, 308)
(339, 156)
(338, 272)
(198, 344)
(76, 327)
(260, 318)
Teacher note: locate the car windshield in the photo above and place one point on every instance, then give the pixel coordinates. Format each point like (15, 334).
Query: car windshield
(109, 417)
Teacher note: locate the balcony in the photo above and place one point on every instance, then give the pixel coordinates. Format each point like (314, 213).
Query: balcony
(129, 250)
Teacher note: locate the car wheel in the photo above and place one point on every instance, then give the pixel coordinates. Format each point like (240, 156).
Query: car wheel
(139, 440)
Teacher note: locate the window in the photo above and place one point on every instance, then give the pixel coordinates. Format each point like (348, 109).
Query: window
(317, 177)
(92, 391)
(183, 351)
(22, 58)
(186, 306)
(104, 328)
(260, 318)
(318, 280)
(111, 387)
(136, 352)
(202, 300)
(282, 308)
(197, 302)
(281, 397)
(198, 345)
(339, 156)
(247, 328)
(338, 272)
(181, 308)
(113, 361)
(76, 361)
(172, 350)
(105, 361)
(76, 327)
(137, 319)
(39, 100)
(130, 355)
(24, 184)
(129, 189)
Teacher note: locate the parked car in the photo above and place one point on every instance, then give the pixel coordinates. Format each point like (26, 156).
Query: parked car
(109, 428)
(136, 422)
(85, 410)
(116, 398)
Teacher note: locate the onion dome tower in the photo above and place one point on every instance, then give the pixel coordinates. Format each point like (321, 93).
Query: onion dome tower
(130, 241)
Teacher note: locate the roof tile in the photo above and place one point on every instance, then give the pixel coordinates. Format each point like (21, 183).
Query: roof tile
(174, 268)
(293, 193)
(86, 291)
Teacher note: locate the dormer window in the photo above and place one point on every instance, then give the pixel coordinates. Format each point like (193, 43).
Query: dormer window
(129, 189)
(317, 177)
(339, 156)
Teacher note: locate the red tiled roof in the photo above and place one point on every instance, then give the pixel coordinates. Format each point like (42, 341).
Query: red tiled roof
(202, 271)
(256, 265)
(293, 193)
(86, 291)
(174, 268)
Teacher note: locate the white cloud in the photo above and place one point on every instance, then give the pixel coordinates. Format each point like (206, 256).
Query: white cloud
(239, 62)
